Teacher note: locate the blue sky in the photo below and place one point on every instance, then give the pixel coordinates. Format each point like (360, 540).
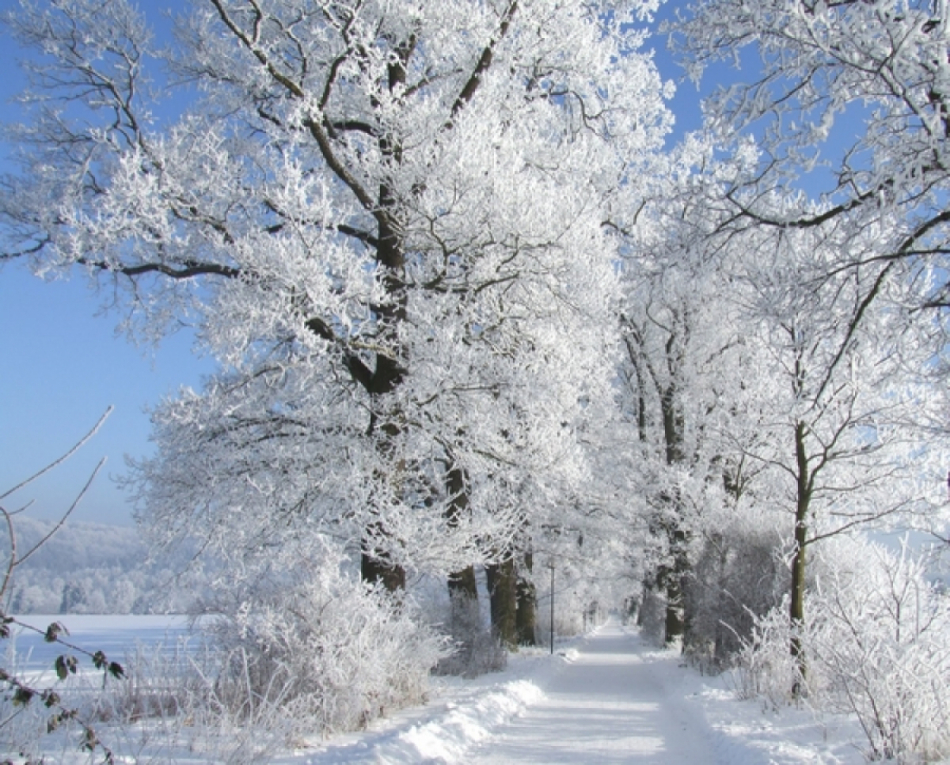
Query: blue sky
(62, 364)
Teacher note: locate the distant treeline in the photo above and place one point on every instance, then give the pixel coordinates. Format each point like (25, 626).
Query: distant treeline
(88, 568)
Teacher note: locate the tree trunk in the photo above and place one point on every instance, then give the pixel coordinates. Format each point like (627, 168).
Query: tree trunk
(674, 436)
(463, 599)
(463, 589)
(502, 592)
(671, 579)
(375, 568)
(797, 614)
(462, 583)
(797, 600)
(675, 623)
(376, 564)
(719, 648)
(388, 373)
(645, 598)
(526, 613)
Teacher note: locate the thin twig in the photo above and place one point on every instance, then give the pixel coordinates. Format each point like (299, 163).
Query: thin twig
(62, 459)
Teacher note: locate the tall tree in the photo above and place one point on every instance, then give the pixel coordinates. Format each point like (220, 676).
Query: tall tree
(681, 340)
(385, 221)
(837, 427)
(848, 103)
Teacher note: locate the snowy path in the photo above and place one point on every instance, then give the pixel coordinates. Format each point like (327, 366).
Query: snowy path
(616, 702)
(611, 698)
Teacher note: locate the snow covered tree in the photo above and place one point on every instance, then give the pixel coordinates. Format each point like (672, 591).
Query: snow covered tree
(384, 219)
(850, 101)
(847, 104)
(682, 370)
(838, 424)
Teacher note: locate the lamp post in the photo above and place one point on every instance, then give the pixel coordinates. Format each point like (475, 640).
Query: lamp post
(551, 564)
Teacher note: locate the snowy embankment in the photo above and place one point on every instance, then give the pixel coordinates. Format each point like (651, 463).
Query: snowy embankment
(461, 714)
(606, 698)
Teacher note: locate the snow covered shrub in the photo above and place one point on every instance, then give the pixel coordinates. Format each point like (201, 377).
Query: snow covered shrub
(764, 667)
(161, 679)
(328, 651)
(879, 636)
(876, 645)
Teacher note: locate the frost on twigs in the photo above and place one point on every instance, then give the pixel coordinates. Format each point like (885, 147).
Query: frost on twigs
(319, 649)
(875, 647)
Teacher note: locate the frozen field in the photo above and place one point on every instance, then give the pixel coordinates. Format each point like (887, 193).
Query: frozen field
(116, 636)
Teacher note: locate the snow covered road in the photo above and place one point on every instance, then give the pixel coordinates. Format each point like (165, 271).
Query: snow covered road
(615, 702)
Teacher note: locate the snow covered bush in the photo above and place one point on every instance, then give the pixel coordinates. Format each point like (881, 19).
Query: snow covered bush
(765, 667)
(876, 646)
(879, 637)
(328, 651)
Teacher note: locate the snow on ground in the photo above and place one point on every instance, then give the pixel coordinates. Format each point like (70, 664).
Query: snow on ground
(605, 698)
(613, 703)
(114, 635)
(608, 698)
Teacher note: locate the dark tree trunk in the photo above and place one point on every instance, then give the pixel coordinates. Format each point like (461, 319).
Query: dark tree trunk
(673, 577)
(464, 619)
(797, 599)
(463, 589)
(675, 623)
(645, 598)
(526, 614)
(797, 615)
(388, 373)
(462, 584)
(374, 568)
(375, 563)
(502, 592)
